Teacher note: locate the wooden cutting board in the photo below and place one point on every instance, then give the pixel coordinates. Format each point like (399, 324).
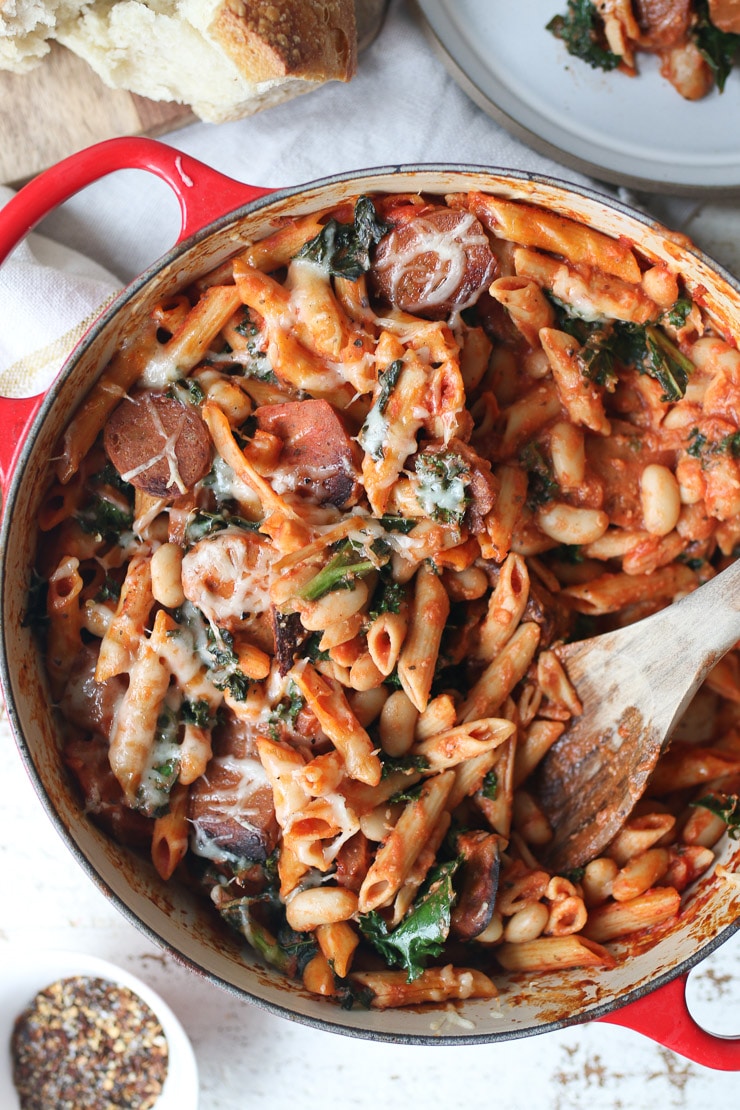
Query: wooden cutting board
(61, 107)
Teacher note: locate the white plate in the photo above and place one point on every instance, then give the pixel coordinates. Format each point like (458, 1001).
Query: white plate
(630, 131)
(24, 972)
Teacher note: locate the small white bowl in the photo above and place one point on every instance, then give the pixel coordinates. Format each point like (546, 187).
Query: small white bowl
(26, 971)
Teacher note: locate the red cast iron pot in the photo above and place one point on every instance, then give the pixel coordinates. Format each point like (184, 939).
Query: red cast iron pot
(646, 992)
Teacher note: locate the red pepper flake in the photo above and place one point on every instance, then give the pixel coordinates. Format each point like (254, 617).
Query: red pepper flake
(88, 1044)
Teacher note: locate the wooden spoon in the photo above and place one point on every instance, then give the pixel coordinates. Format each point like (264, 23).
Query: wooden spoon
(634, 685)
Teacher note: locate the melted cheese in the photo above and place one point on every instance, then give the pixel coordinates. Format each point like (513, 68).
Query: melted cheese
(228, 575)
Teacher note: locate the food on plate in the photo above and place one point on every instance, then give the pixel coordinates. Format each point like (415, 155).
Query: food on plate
(90, 1044)
(315, 673)
(696, 41)
(225, 60)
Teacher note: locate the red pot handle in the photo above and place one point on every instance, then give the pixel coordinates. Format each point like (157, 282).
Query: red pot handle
(203, 195)
(664, 1016)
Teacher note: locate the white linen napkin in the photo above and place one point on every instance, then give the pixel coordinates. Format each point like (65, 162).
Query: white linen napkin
(402, 107)
(49, 295)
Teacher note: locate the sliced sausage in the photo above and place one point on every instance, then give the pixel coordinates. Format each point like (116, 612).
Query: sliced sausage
(289, 634)
(231, 806)
(158, 444)
(318, 456)
(481, 857)
(663, 23)
(434, 264)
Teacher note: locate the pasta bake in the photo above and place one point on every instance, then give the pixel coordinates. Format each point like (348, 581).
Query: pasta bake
(311, 544)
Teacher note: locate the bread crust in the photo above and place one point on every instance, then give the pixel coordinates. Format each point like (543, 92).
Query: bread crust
(267, 39)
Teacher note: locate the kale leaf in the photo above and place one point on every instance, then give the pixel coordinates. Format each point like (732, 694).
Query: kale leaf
(373, 431)
(423, 931)
(201, 524)
(726, 807)
(581, 29)
(344, 249)
(719, 48)
(198, 713)
(406, 764)
(541, 484)
(287, 710)
(388, 598)
(489, 786)
(338, 574)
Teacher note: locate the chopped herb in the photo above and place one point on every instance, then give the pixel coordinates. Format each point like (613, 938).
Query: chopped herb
(109, 591)
(726, 807)
(406, 764)
(101, 517)
(700, 447)
(489, 786)
(187, 391)
(692, 562)
(198, 713)
(246, 325)
(719, 48)
(347, 993)
(650, 351)
(423, 932)
(541, 485)
(398, 523)
(387, 383)
(678, 314)
(109, 476)
(338, 574)
(286, 712)
(162, 769)
(372, 433)
(388, 598)
(410, 794)
(575, 875)
(311, 649)
(697, 444)
(442, 479)
(344, 249)
(226, 673)
(393, 680)
(581, 29)
(730, 445)
(569, 553)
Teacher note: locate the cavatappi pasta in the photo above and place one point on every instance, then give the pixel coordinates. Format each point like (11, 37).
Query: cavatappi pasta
(311, 545)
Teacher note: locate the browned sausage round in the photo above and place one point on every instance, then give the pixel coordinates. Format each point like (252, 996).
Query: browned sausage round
(318, 452)
(434, 263)
(158, 444)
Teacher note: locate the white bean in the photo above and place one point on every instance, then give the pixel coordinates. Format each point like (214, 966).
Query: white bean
(568, 452)
(661, 499)
(566, 524)
(167, 575)
(527, 923)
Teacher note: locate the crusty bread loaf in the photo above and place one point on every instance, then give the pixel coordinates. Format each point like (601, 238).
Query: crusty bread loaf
(225, 58)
